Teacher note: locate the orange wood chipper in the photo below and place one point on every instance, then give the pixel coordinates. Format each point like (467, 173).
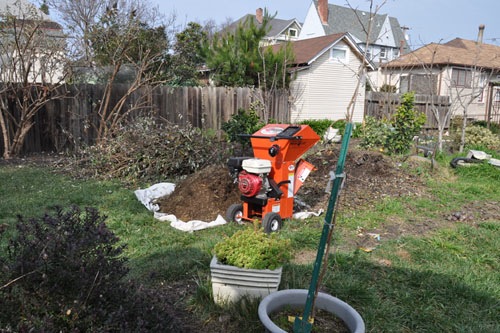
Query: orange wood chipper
(268, 181)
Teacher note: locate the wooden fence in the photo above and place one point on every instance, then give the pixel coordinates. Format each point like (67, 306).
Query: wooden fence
(380, 105)
(71, 121)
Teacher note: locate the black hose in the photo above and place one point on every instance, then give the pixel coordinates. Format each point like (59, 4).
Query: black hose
(454, 162)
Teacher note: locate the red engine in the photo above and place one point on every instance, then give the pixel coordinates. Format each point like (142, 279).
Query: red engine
(249, 184)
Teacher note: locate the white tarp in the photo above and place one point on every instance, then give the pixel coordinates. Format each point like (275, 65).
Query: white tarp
(150, 195)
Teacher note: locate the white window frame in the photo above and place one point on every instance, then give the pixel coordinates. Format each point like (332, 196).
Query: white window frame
(383, 53)
(335, 58)
(295, 32)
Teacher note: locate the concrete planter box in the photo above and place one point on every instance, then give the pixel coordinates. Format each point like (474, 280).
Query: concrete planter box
(230, 283)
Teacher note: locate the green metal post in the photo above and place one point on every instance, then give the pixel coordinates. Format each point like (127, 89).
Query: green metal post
(302, 325)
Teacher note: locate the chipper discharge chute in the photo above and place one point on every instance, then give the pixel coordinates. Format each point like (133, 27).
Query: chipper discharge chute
(268, 181)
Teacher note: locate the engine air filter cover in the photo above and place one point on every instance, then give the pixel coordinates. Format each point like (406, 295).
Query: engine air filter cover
(256, 165)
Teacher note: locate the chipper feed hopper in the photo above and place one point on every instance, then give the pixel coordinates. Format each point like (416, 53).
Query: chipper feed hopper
(268, 181)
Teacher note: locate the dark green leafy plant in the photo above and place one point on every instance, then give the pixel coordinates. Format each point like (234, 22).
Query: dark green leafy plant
(319, 126)
(242, 122)
(65, 272)
(406, 123)
(255, 249)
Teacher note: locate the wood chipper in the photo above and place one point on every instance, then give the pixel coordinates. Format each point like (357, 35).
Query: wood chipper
(268, 181)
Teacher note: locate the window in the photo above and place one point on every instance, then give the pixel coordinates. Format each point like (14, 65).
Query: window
(496, 96)
(461, 78)
(383, 53)
(395, 53)
(292, 32)
(338, 54)
(368, 53)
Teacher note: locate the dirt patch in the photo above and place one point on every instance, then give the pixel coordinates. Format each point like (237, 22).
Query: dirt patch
(370, 176)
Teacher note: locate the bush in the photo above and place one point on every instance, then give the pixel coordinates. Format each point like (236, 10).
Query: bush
(406, 123)
(374, 133)
(479, 137)
(318, 126)
(494, 127)
(64, 272)
(255, 249)
(151, 151)
(243, 122)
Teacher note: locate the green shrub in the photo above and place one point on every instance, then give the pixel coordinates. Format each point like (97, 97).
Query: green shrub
(406, 123)
(242, 122)
(255, 249)
(493, 127)
(65, 273)
(477, 137)
(318, 126)
(374, 133)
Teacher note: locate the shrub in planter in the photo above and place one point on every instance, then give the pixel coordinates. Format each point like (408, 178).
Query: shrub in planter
(248, 264)
(253, 249)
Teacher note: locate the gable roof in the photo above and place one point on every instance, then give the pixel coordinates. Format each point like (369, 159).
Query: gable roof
(457, 52)
(354, 21)
(277, 26)
(308, 50)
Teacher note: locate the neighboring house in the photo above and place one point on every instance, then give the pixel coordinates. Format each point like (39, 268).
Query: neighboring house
(43, 55)
(326, 75)
(465, 70)
(280, 30)
(386, 41)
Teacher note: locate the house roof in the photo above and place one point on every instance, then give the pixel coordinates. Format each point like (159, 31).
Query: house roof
(354, 21)
(277, 26)
(307, 50)
(457, 52)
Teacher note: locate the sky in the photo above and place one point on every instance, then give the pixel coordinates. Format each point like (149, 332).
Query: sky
(429, 21)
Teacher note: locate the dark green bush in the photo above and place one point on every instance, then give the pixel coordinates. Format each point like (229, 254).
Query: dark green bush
(65, 273)
(318, 126)
(243, 122)
(406, 123)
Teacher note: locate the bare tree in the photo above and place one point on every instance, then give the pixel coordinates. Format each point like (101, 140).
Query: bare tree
(111, 37)
(32, 71)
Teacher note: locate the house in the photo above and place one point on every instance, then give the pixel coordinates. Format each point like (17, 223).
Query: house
(280, 30)
(30, 37)
(326, 76)
(465, 70)
(386, 41)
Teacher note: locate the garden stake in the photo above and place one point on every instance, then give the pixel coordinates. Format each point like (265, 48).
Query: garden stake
(302, 325)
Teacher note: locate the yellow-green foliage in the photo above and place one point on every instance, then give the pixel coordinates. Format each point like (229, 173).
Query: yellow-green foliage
(477, 136)
(254, 249)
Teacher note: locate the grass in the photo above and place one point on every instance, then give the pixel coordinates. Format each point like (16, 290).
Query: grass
(447, 280)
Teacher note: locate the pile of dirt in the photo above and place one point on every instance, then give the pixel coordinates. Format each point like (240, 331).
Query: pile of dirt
(370, 176)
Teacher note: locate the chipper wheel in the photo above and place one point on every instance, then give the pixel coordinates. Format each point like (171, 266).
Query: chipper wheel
(271, 222)
(235, 213)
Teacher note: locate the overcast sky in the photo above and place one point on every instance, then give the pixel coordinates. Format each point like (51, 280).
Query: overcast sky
(428, 20)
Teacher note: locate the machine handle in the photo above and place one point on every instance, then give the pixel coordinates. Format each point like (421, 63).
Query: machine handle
(272, 138)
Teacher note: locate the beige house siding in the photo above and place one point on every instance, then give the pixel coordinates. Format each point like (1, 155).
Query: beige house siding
(477, 109)
(324, 90)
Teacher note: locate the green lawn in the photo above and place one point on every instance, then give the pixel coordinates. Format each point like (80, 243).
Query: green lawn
(446, 280)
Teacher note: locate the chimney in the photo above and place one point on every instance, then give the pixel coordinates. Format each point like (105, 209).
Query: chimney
(480, 34)
(259, 15)
(323, 11)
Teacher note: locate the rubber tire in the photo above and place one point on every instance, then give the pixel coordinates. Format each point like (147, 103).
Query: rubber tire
(233, 211)
(271, 222)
